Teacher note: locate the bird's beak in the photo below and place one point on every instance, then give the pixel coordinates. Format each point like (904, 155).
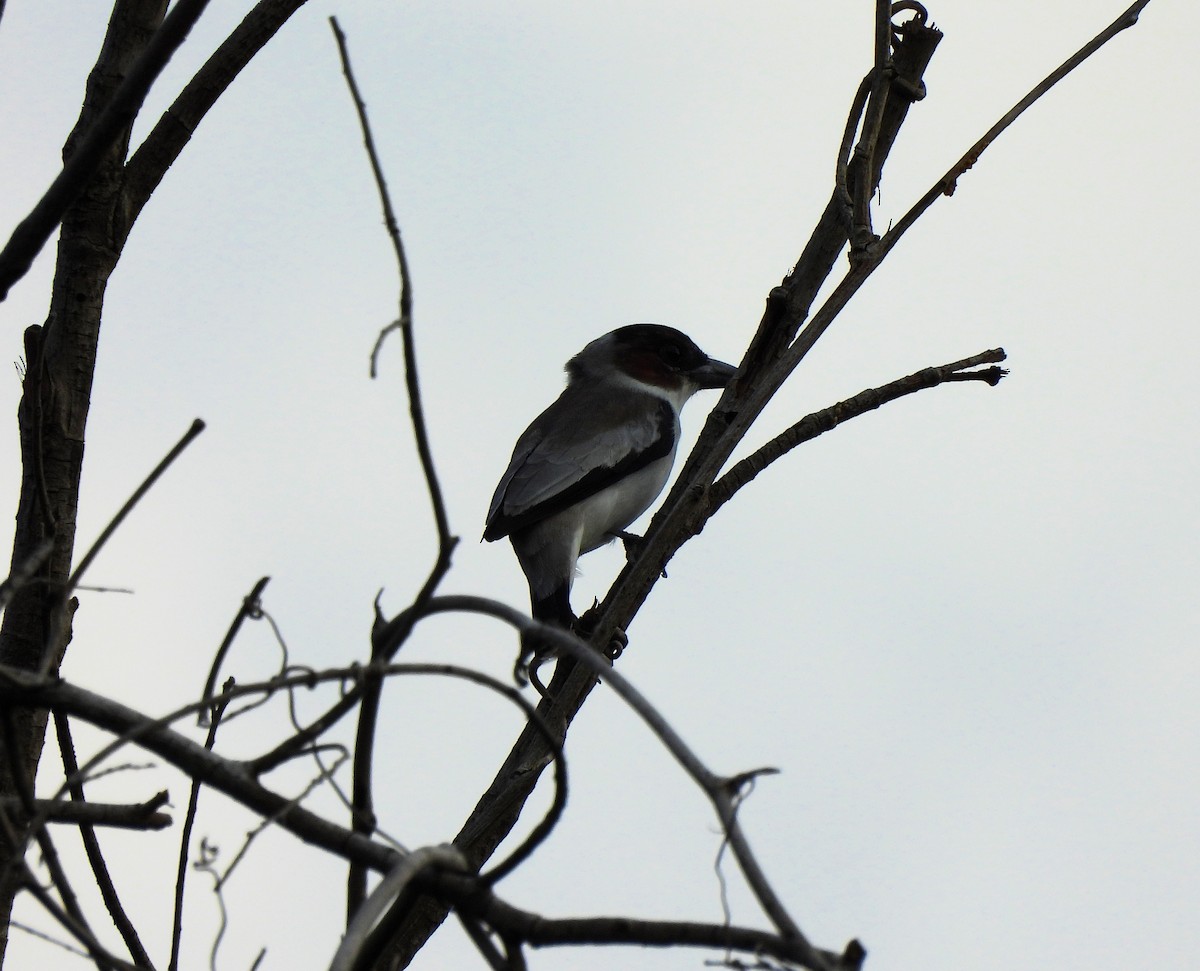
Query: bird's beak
(713, 374)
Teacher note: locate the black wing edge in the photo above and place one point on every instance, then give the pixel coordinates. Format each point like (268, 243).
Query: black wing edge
(595, 481)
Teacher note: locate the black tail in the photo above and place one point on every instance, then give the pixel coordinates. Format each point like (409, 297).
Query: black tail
(554, 608)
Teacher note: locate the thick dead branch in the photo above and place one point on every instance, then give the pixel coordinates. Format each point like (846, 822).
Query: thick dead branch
(112, 124)
(96, 217)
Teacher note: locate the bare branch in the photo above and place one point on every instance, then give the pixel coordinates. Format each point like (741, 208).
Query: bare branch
(58, 614)
(231, 778)
(189, 436)
(170, 135)
(213, 714)
(946, 185)
(539, 931)
(35, 229)
(718, 788)
(115, 815)
(819, 422)
(363, 816)
(251, 607)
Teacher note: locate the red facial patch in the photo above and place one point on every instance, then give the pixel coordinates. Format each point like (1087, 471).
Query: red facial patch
(645, 365)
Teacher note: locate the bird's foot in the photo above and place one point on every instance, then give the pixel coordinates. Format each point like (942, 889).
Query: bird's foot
(634, 545)
(532, 671)
(585, 626)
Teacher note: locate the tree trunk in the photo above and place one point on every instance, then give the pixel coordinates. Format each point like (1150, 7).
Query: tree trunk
(52, 416)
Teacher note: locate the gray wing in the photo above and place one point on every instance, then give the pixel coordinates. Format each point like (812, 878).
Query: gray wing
(580, 445)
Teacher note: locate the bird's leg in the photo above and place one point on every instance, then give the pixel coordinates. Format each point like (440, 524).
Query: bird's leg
(634, 544)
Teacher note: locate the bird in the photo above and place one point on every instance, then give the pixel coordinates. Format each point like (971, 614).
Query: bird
(598, 457)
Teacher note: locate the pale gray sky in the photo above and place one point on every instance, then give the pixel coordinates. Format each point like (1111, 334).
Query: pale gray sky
(965, 627)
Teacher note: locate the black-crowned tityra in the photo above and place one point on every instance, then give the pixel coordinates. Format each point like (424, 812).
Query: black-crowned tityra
(596, 459)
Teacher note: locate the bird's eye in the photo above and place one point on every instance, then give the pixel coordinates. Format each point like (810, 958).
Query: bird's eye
(671, 354)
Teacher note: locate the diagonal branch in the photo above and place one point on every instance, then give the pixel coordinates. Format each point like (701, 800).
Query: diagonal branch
(104, 882)
(170, 135)
(769, 360)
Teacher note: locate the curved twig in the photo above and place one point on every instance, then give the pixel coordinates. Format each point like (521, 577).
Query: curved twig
(380, 899)
(251, 607)
(716, 787)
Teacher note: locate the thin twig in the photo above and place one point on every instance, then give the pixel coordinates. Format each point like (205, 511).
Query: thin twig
(363, 812)
(946, 185)
(819, 422)
(251, 607)
(189, 436)
(483, 943)
(212, 711)
(405, 319)
(81, 932)
(91, 845)
(58, 612)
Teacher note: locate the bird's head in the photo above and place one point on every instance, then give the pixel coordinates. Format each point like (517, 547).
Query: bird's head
(653, 358)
